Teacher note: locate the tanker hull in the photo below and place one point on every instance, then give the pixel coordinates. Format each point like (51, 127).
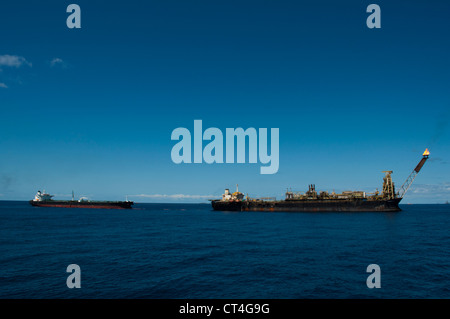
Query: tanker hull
(309, 205)
(87, 204)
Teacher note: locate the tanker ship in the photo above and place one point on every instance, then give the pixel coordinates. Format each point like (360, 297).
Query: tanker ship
(312, 201)
(42, 199)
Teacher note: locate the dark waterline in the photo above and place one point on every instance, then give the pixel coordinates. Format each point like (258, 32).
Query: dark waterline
(190, 251)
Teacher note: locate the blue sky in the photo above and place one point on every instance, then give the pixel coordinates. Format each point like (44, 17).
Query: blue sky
(92, 109)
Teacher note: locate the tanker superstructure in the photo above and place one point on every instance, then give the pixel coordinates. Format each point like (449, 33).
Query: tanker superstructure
(312, 201)
(42, 199)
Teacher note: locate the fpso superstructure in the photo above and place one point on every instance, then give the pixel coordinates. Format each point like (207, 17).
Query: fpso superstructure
(312, 201)
(45, 200)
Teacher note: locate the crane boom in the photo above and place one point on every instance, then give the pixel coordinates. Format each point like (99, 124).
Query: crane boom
(413, 174)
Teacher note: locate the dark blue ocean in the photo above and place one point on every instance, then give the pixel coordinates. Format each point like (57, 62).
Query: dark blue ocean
(190, 251)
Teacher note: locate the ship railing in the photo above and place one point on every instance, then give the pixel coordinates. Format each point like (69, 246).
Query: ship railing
(263, 199)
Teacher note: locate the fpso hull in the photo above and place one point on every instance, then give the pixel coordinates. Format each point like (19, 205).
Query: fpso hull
(309, 205)
(76, 204)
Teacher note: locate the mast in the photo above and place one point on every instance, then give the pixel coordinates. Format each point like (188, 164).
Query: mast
(388, 186)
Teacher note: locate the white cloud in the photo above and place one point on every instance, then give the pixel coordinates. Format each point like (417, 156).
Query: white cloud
(442, 189)
(174, 196)
(13, 61)
(58, 62)
(3, 85)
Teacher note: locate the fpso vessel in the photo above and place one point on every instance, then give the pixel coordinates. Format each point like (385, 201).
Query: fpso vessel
(45, 200)
(311, 201)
